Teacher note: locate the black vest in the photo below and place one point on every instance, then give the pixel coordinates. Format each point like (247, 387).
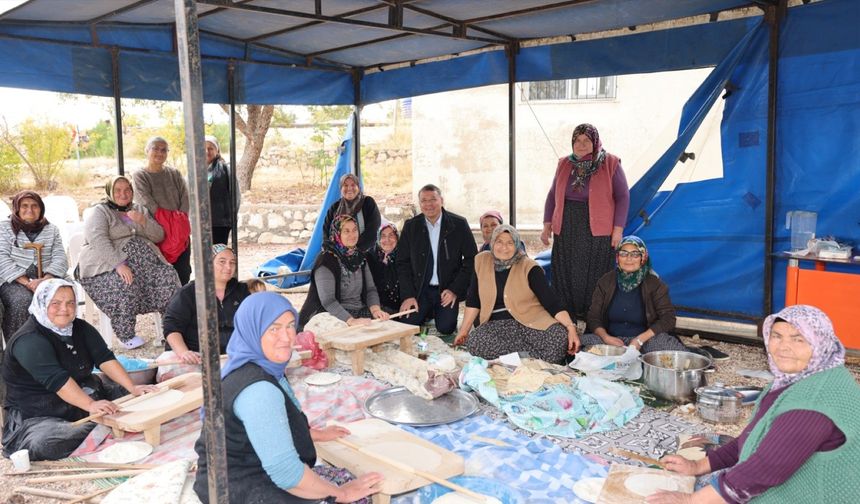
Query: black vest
(245, 473)
(30, 397)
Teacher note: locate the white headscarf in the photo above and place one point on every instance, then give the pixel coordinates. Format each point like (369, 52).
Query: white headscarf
(42, 298)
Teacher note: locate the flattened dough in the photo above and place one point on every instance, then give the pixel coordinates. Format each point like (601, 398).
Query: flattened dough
(647, 484)
(364, 428)
(694, 453)
(160, 401)
(413, 455)
(588, 489)
(458, 498)
(125, 453)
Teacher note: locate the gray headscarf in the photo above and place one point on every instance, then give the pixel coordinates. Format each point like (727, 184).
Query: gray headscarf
(350, 207)
(42, 298)
(499, 264)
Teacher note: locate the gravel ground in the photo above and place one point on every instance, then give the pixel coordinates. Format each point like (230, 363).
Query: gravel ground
(740, 357)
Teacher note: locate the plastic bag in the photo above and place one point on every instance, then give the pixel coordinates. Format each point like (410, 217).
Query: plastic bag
(610, 367)
(306, 340)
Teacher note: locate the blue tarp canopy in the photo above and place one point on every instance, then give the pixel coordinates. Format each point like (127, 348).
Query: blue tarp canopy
(708, 239)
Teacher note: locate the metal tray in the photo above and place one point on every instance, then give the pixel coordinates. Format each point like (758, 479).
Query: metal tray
(398, 405)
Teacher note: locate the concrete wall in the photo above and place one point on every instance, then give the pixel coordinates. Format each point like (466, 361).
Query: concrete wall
(460, 139)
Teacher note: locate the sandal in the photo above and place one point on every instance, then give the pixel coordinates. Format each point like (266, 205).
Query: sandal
(133, 343)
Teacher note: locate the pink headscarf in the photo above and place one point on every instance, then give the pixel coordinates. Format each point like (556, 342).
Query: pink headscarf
(815, 327)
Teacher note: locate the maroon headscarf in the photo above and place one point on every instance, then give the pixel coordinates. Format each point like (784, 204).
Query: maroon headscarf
(585, 166)
(18, 224)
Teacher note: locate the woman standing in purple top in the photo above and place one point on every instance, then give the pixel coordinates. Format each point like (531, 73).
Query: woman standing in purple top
(803, 442)
(585, 213)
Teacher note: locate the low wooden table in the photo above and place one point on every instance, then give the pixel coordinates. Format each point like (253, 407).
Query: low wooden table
(354, 340)
(150, 421)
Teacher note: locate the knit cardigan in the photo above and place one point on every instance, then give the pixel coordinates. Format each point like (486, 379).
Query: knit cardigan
(14, 260)
(106, 235)
(829, 476)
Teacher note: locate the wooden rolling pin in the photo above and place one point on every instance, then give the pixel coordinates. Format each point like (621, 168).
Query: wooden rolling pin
(41, 492)
(89, 465)
(635, 456)
(374, 321)
(422, 474)
(123, 404)
(86, 476)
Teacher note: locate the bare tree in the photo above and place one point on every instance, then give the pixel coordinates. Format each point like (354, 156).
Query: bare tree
(254, 126)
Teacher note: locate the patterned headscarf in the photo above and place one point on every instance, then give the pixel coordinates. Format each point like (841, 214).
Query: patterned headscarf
(386, 257)
(350, 207)
(499, 264)
(18, 224)
(585, 166)
(253, 317)
(629, 281)
(39, 306)
(815, 327)
(350, 258)
(217, 248)
(109, 190)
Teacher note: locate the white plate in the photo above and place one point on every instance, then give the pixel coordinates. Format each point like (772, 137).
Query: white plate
(588, 489)
(323, 378)
(125, 453)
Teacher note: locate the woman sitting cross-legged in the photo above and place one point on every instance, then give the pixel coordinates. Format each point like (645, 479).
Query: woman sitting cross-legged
(180, 319)
(120, 266)
(49, 378)
(270, 446)
(803, 442)
(341, 282)
(631, 305)
(517, 309)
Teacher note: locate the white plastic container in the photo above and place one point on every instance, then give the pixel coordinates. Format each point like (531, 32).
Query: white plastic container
(802, 225)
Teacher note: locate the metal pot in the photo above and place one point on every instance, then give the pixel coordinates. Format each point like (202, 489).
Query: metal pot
(674, 375)
(718, 404)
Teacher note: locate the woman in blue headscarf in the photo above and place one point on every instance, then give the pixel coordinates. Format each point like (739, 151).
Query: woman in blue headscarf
(270, 450)
(631, 305)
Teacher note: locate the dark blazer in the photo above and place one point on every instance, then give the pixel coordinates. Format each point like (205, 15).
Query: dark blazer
(372, 220)
(659, 311)
(455, 261)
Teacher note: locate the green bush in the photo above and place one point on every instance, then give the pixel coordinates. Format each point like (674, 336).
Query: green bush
(101, 141)
(10, 168)
(45, 148)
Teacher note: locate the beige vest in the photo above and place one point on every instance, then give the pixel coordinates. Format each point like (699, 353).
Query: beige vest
(519, 299)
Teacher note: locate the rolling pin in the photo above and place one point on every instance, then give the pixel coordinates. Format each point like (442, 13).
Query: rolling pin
(422, 474)
(374, 321)
(640, 458)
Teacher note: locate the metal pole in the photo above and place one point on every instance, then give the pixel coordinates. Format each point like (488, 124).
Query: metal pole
(117, 109)
(773, 15)
(188, 49)
(512, 134)
(234, 186)
(356, 134)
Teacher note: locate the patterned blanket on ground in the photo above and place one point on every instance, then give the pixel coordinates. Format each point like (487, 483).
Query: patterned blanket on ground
(539, 470)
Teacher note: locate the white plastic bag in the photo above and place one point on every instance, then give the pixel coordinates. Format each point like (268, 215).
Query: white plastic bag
(610, 367)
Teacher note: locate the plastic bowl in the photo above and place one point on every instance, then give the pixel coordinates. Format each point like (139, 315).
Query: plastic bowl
(486, 486)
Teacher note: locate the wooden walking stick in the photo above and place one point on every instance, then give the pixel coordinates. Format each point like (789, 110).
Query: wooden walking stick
(38, 248)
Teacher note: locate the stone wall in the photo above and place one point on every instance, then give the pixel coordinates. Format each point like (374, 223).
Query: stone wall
(283, 156)
(293, 224)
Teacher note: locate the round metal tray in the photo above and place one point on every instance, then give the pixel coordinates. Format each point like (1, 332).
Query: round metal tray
(398, 405)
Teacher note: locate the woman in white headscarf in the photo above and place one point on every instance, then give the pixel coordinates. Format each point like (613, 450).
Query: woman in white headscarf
(49, 377)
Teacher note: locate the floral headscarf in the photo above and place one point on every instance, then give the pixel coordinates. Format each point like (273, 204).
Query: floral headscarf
(629, 281)
(18, 224)
(39, 306)
(350, 207)
(585, 166)
(815, 327)
(499, 264)
(386, 257)
(253, 317)
(109, 190)
(350, 258)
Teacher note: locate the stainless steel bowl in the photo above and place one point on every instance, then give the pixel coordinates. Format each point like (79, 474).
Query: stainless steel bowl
(605, 350)
(717, 404)
(674, 375)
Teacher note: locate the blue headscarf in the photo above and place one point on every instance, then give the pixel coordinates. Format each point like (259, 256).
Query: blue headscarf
(256, 313)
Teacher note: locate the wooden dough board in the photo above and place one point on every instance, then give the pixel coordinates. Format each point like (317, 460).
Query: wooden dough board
(615, 492)
(396, 481)
(356, 340)
(149, 421)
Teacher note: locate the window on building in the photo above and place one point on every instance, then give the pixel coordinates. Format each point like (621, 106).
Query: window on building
(591, 88)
